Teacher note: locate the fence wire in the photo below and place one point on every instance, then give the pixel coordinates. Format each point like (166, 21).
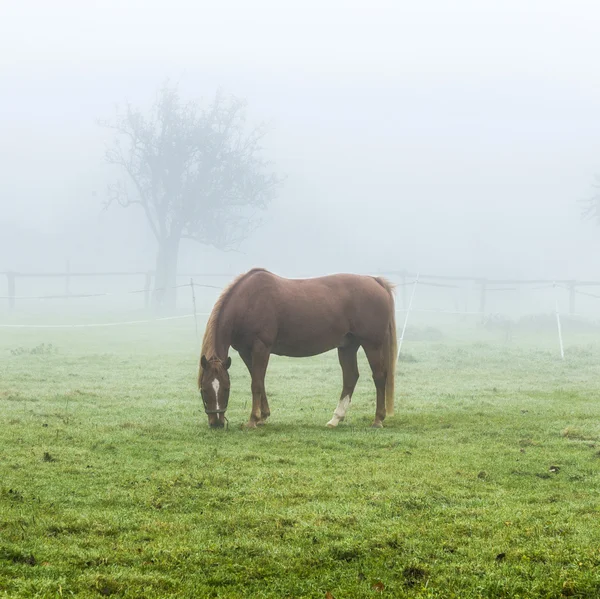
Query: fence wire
(463, 294)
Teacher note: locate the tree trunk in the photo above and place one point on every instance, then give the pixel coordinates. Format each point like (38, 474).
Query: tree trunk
(165, 296)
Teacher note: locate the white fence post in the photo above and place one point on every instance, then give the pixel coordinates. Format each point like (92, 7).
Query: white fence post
(195, 312)
(410, 302)
(560, 338)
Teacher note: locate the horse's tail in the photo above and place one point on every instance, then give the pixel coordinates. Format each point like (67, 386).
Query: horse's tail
(390, 349)
(391, 352)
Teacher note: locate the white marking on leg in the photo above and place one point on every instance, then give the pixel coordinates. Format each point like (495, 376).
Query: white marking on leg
(215, 386)
(340, 412)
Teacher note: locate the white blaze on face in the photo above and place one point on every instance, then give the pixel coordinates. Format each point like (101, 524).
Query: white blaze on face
(340, 412)
(215, 386)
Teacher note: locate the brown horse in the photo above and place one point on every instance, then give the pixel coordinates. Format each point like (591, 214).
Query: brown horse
(261, 314)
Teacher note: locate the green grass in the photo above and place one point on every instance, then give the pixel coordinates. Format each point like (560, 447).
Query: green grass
(485, 483)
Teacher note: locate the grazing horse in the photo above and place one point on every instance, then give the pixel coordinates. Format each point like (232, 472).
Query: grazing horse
(261, 314)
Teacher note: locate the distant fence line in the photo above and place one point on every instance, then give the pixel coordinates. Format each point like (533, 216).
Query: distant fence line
(147, 289)
(406, 278)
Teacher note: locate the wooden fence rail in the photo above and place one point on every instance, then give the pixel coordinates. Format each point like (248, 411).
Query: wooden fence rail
(486, 285)
(68, 275)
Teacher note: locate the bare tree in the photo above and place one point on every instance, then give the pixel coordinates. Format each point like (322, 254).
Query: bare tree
(197, 173)
(591, 205)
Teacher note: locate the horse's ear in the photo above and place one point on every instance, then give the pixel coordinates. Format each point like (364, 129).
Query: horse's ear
(204, 362)
(227, 363)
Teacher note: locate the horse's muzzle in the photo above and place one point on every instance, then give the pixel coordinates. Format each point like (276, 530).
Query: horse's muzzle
(216, 419)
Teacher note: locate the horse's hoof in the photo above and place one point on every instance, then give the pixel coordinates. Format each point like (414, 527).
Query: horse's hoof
(332, 424)
(251, 424)
(261, 423)
(377, 425)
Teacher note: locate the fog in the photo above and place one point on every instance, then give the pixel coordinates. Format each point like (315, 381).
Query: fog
(445, 137)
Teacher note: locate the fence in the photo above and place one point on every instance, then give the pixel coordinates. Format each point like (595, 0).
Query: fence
(402, 278)
(145, 288)
(489, 286)
(480, 299)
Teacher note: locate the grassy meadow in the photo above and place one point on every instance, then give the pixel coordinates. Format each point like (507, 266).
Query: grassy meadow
(486, 482)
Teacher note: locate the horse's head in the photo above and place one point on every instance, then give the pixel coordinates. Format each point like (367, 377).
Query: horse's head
(214, 388)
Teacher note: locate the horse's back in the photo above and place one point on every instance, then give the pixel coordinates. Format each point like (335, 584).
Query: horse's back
(298, 317)
(339, 292)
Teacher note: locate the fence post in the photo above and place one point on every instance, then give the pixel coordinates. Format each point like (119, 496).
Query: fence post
(195, 311)
(10, 276)
(147, 288)
(572, 292)
(412, 296)
(560, 338)
(67, 279)
(483, 283)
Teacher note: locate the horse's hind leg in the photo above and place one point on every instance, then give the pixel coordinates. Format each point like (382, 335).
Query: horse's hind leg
(260, 361)
(348, 362)
(376, 361)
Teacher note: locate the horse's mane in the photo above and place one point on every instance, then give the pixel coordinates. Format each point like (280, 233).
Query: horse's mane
(208, 341)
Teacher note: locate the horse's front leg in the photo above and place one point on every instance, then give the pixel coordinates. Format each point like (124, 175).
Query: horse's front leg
(265, 412)
(260, 361)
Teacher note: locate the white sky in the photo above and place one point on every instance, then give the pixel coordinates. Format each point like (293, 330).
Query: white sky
(432, 135)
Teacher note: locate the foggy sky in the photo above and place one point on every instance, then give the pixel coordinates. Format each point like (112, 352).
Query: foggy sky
(446, 137)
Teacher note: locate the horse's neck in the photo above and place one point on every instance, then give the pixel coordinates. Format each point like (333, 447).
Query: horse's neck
(223, 334)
